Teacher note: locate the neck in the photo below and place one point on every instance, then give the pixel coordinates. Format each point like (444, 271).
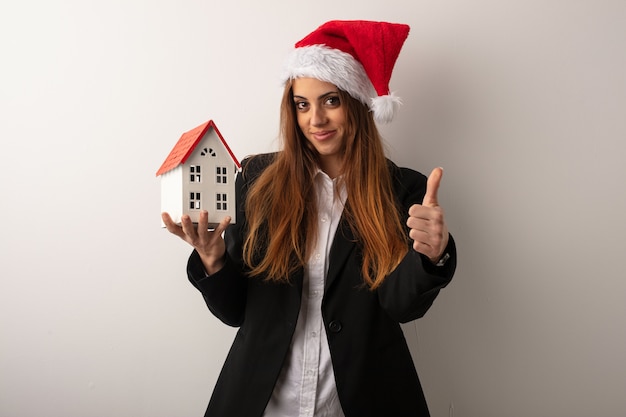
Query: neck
(330, 166)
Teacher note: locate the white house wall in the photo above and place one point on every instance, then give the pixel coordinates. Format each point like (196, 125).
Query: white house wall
(208, 186)
(171, 190)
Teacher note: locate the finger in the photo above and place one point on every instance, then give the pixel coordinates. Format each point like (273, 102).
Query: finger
(203, 222)
(419, 235)
(189, 228)
(420, 212)
(426, 232)
(423, 248)
(418, 223)
(167, 219)
(432, 188)
(170, 225)
(221, 227)
(426, 246)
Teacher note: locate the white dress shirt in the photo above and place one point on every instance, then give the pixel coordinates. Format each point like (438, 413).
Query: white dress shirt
(306, 384)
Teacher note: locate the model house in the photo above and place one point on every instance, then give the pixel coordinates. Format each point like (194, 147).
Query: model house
(199, 174)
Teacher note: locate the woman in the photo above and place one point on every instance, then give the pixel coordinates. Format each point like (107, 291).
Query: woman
(334, 246)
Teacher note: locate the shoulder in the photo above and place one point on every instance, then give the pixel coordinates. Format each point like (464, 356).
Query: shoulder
(252, 166)
(406, 178)
(408, 184)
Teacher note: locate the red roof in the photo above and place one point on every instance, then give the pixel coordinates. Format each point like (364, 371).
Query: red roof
(187, 143)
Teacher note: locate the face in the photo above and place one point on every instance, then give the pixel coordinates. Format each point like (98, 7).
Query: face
(321, 117)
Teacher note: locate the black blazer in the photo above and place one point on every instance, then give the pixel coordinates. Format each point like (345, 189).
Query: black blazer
(374, 371)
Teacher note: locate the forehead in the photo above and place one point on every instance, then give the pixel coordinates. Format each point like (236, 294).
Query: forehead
(311, 87)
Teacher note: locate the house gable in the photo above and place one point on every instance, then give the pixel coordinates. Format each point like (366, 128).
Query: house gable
(188, 143)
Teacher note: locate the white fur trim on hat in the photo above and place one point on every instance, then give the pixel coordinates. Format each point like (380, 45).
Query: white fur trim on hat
(333, 66)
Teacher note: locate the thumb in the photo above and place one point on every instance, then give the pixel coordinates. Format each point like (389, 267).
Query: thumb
(432, 188)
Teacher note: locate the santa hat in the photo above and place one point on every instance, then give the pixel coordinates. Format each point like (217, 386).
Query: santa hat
(355, 55)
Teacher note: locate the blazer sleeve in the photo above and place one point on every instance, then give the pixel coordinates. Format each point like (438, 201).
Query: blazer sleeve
(410, 290)
(225, 291)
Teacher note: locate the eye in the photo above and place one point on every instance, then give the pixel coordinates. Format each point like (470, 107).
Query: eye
(332, 101)
(301, 105)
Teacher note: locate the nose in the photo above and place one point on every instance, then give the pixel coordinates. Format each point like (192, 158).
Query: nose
(318, 116)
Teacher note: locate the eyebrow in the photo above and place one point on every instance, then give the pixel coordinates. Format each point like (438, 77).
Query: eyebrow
(320, 97)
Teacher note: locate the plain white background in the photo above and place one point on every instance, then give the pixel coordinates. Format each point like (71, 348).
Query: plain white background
(521, 102)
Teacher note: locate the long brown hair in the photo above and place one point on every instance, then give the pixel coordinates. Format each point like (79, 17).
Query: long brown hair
(280, 205)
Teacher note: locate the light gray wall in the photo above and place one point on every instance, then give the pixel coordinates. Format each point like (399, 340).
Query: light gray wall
(521, 102)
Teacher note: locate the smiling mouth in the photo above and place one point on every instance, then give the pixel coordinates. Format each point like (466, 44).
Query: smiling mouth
(323, 135)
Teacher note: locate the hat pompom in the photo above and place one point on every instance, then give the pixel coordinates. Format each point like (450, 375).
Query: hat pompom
(385, 107)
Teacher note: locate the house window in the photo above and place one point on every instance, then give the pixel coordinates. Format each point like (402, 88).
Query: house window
(221, 201)
(194, 173)
(208, 152)
(220, 175)
(194, 201)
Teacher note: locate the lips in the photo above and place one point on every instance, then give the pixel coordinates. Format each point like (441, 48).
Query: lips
(323, 135)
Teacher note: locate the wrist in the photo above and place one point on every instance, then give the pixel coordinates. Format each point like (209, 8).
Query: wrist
(441, 261)
(213, 264)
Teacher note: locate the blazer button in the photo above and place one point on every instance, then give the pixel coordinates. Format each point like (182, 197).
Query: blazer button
(334, 326)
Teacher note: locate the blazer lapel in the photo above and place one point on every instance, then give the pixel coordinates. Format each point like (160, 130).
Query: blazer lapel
(343, 244)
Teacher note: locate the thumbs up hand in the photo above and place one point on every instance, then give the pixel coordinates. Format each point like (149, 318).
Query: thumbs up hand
(427, 223)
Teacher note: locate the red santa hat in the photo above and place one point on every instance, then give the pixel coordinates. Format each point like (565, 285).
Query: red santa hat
(355, 55)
